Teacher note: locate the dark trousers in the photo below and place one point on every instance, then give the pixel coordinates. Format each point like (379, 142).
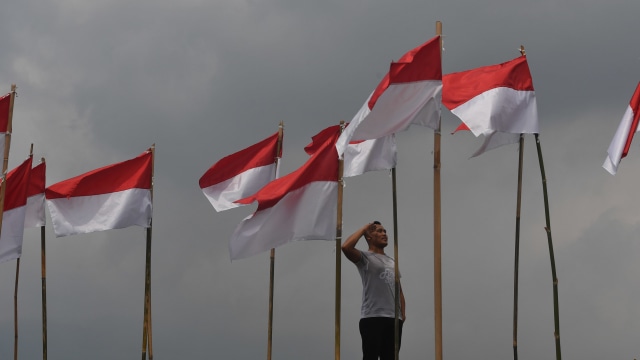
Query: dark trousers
(378, 338)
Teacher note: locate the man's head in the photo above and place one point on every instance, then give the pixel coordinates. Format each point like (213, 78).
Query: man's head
(376, 235)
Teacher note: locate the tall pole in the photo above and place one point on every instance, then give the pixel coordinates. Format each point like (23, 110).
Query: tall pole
(43, 266)
(146, 331)
(517, 250)
(272, 256)
(556, 315)
(338, 252)
(396, 266)
(437, 230)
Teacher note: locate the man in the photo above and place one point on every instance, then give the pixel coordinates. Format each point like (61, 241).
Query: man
(377, 270)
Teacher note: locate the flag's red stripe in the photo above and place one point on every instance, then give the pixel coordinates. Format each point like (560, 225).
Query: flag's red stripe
(321, 166)
(419, 64)
(5, 101)
(37, 180)
(635, 108)
(17, 183)
(257, 155)
(134, 173)
(460, 87)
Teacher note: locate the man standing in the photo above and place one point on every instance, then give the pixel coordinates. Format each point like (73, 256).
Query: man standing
(377, 270)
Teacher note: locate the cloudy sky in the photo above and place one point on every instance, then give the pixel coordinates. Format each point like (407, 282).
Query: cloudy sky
(101, 81)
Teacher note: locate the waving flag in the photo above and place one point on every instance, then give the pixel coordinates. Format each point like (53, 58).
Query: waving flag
(241, 174)
(35, 216)
(15, 203)
(5, 108)
(621, 142)
(493, 98)
(299, 206)
(408, 94)
(361, 156)
(112, 197)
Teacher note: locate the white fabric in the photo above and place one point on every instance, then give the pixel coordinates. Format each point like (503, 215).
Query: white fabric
(370, 155)
(222, 195)
(308, 213)
(35, 216)
(495, 140)
(619, 140)
(12, 233)
(85, 214)
(395, 110)
(500, 109)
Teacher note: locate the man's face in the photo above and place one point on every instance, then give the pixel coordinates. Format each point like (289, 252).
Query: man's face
(378, 236)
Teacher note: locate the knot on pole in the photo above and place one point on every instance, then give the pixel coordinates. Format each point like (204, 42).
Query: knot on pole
(546, 228)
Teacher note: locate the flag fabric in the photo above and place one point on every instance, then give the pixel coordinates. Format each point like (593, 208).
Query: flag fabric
(241, 174)
(15, 203)
(5, 107)
(35, 216)
(621, 142)
(493, 98)
(111, 197)
(361, 156)
(491, 141)
(299, 206)
(408, 94)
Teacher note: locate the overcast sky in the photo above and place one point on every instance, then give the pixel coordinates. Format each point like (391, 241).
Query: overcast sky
(101, 81)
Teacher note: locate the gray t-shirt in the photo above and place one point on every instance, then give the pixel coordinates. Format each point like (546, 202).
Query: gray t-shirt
(378, 285)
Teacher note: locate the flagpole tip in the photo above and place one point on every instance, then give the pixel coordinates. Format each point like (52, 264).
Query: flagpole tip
(522, 52)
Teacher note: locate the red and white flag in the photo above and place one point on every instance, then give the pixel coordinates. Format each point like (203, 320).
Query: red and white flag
(15, 203)
(35, 216)
(621, 142)
(497, 101)
(299, 206)
(362, 156)
(112, 197)
(408, 94)
(241, 174)
(5, 107)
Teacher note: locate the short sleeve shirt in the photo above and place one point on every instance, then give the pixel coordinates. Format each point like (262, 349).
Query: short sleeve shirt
(378, 285)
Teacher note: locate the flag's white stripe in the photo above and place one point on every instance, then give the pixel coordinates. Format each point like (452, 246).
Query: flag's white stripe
(12, 232)
(370, 155)
(495, 140)
(398, 107)
(222, 195)
(35, 211)
(619, 140)
(85, 214)
(500, 109)
(308, 213)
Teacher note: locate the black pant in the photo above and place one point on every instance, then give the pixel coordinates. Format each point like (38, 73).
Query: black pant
(378, 338)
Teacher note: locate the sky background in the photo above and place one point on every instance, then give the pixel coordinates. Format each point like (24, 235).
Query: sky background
(101, 81)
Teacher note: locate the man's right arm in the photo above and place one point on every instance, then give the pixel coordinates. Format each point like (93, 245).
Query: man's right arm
(349, 246)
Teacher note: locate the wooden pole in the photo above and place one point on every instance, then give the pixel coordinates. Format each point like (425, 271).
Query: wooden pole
(517, 251)
(272, 257)
(339, 251)
(146, 331)
(396, 266)
(43, 266)
(437, 230)
(15, 313)
(556, 315)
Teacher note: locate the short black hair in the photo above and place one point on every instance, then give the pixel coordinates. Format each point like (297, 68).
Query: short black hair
(376, 222)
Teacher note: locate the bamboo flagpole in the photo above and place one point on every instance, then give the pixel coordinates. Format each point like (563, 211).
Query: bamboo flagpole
(397, 267)
(437, 230)
(556, 316)
(517, 250)
(339, 251)
(272, 256)
(43, 262)
(146, 331)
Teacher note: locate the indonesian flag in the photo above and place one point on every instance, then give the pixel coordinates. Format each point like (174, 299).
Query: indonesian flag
(241, 174)
(408, 94)
(5, 103)
(299, 206)
(35, 216)
(15, 203)
(112, 197)
(362, 156)
(621, 142)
